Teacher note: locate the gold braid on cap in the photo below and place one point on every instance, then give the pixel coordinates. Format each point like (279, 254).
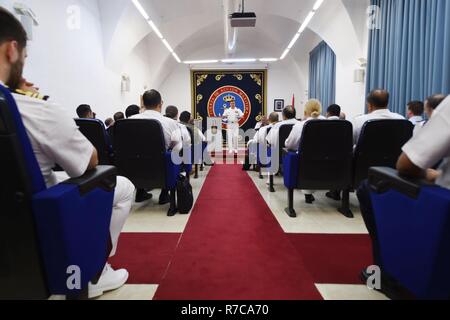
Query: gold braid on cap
(229, 98)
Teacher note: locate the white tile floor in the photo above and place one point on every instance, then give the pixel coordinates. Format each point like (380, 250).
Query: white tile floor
(149, 217)
(131, 292)
(348, 292)
(321, 217)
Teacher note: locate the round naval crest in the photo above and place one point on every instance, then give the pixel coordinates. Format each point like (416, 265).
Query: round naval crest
(224, 97)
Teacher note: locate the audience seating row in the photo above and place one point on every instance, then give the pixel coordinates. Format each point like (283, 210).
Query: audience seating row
(326, 160)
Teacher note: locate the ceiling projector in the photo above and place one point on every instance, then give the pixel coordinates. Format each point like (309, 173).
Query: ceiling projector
(243, 20)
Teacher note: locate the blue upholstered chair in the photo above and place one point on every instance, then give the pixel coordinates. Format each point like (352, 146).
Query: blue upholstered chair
(47, 233)
(324, 160)
(413, 226)
(380, 145)
(141, 156)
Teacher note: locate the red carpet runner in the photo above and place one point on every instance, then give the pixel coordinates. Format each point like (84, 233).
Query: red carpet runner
(233, 248)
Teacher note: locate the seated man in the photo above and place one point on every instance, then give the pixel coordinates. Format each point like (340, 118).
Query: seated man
(415, 112)
(431, 104)
(377, 106)
(261, 134)
(420, 154)
(84, 111)
(55, 138)
(289, 114)
(429, 147)
(109, 123)
(334, 112)
(186, 120)
(132, 111)
(119, 116)
(172, 113)
(152, 103)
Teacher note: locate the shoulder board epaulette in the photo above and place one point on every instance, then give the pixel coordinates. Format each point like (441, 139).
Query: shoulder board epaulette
(30, 94)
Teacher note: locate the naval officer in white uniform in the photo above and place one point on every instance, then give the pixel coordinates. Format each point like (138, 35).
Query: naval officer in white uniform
(232, 115)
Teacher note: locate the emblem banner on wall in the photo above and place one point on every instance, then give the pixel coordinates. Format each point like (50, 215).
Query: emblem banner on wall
(213, 91)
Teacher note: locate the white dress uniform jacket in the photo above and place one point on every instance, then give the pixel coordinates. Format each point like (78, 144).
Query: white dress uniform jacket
(233, 116)
(416, 120)
(358, 122)
(432, 144)
(274, 134)
(261, 135)
(171, 129)
(293, 142)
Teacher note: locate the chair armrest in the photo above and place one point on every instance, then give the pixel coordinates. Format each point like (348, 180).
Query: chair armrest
(104, 177)
(172, 171)
(291, 169)
(382, 179)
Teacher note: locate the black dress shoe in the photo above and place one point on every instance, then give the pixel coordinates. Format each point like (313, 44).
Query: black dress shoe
(309, 198)
(172, 213)
(335, 195)
(142, 196)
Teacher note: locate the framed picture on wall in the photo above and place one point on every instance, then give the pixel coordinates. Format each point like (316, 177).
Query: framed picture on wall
(279, 105)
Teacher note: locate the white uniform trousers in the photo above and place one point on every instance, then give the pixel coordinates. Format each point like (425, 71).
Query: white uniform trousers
(233, 137)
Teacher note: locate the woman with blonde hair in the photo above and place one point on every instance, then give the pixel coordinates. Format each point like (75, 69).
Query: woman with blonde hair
(313, 111)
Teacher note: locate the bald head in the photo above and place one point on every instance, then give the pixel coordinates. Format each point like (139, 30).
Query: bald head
(377, 99)
(274, 117)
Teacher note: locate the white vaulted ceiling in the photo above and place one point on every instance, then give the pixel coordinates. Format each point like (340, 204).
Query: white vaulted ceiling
(195, 29)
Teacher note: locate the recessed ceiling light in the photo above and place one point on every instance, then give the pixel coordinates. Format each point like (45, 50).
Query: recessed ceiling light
(238, 60)
(200, 61)
(141, 9)
(176, 57)
(155, 29)
(268, 59)
(284, 54)
(167, 45)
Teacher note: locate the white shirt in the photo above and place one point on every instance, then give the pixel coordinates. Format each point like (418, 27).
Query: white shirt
(261, 135)
(432, 144)
(171, 128)
(274, 134)
(55, 138)
(359, 122)
(183, 134)
(233, 115)
(333, 118)
(293, 142)
(416, 119)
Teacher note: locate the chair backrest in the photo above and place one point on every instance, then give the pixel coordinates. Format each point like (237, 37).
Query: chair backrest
(95, 132)
(284, 133)
(22, 274)
(326, 153)
(380, 145)
(139, 149)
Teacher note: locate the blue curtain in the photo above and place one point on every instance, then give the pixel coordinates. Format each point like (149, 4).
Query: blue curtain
(322, 74)
(410, 54)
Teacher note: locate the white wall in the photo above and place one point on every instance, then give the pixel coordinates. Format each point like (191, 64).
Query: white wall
(69, 65)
